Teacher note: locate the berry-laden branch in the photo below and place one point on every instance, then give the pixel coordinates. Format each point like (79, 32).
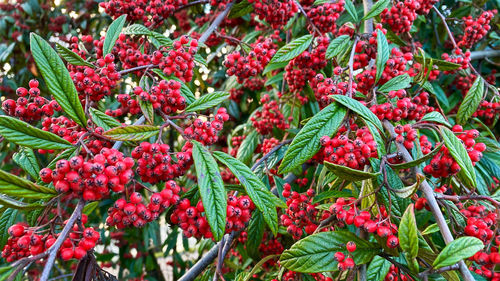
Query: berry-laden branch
(215, 24)
(431, 200)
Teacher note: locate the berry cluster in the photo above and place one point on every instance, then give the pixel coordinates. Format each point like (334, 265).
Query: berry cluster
(458, 57)
(352, 153)
(128, 105)
(406, 108)
(275, 12)
(268, 144)
(154, 163)
(87, 239)
(325, 87)
(128, 50)
(191, 219)
(475, 29)
(300, 213)
(179, 61)
(325, 16)
(396, 274)
(268, 117)
(345, 263)
(166, 96)
(91, 179)
(235, 144)
(405, 135)
(63, 127)
(443, 165)
(488, 111)
(30, 106)
(401, 16)
(425, 6)
(380, 225)
(236, 94)
(252, 64)
(206, 132)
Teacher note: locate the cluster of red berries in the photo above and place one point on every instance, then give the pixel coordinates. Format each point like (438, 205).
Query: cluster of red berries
(303, 68)
(91, 179)
(345, 263)
(152, 13)
(178, 61)
(63, 127)
(405, 135)
(458, 57)
(396, 274)
(325, 87)
(236, 94)
(191, 219)
(301, 213)
(275, 12)
(365, 51)
(425, 6)
(252, 64)
(488, 111)
(134, 213)
(128, 50)
(206, 132)
(344, 151)
(270, 246)
(268, 145)
(475, 29)
(380, 225)
(443, 165)
(236, 142)
(166, 96)
(401, 16)
(30, 106)
(154, 163)
(268, 117)
(325, 16)
(128, 105)
(27, 241)
(406, 108)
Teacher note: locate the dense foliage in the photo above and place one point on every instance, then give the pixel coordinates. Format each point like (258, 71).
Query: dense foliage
(249, 140)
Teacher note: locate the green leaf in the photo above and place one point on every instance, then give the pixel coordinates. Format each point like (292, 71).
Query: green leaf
(471, 102)
(132, 132)
(383, 53)
(26, 159)
(337, 45)
(90, 207)
(136, 29)
(24, 134)
(18, 205)
(275, 79)
(396, 83)
(391, 36)
(306, 143)
(103, 120)
(377, 137)
(459, 153)
(292, 49)
(254, 187)
(349, 174)
(147, 109)
(160, 40)
(435, 117)
(247, 147)
(315, 252)
(256, 231)
(376, 9)
(457, 250)
(72, 57)
(114, 30)
(431, 229)
(57, 78)
(207, 101)
(417, 161)
(331, 194)
(240, 9)
(408, 232)
(441, 64)
(6, 220)
(274, 66)
(211, 187)
(360, 109)
(66, 154)
(378, 269)
(12, 185)
(349, 6)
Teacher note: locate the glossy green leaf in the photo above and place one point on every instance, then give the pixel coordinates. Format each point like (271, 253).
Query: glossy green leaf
(337, 45)
(376, 9)
(315, 252)
(12, 185)
(114, 30)
(360, 109)
(383, 53)
(408, 232)
(457, 250)
(417, 161)
(435, 117)
(132, 133)
(26, 159)
(459, 153)
(349, 174)
(471, 101)
(349, 6)
(103, 120)
(9, 202)
(147, 109)
(72, 57)
(306, 143)
(378, 269)
(211, 187)
(396, 83)
(7, 219)
(57, 78)
(292, 49)
(240, 9)
(207, 101)
(255, 230)
(247, 147)
(21, 133)
(441, 64)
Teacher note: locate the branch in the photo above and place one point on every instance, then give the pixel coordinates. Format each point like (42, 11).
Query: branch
(367, 6)
(438, 271)
(218, 20)
(269, 154)
(431, 200)
(126, 71)
(139, 121)
(52, 251)
(456, 198)
(477, 55)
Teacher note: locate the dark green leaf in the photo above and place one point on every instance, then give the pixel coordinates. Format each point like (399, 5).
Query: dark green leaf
(147, 109)
(240, 9)
(315, 252)
(292, 49)
(18, 205)
(7, 219)
(349, 174)
(441, 64)
(207, 101)
(325, 195)
(136, 29)
(471, 102)
(211, 187)
(247, 147)
(306, 143)
(360, 109)
(103, 120)
(132, 132)
(457, 250)
(57, 78)
(114, 30)
(417, 161)
(378, 269)
(396, 83)
(26, 159)
(383, 53)
(376, 9)
(459, 153)
(255, 230)
(349, 6)
(408, 232)
(72, 57)
(435, 117)
(12, 185)
(24, 134)
(337, 45)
